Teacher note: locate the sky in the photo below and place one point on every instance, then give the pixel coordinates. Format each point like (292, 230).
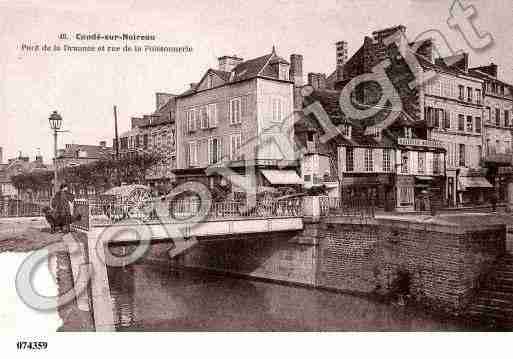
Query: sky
(83, 87)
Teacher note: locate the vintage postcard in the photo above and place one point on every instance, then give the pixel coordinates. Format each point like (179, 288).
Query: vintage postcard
(272, 166)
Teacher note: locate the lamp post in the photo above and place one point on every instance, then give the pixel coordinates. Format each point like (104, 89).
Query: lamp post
(55, 121)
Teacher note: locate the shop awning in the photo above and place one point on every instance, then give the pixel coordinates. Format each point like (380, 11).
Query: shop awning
(423, 178)
(280, 177)
(466, 183)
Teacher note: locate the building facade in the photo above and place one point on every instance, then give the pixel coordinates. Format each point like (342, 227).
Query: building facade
(236, 127)
(498, 127)
(154, 133)
(447, 110)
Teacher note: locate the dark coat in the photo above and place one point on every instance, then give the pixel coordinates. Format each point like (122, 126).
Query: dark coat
(60, 204)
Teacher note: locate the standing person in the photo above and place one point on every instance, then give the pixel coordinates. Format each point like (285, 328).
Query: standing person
(62, 204)
(493, 199)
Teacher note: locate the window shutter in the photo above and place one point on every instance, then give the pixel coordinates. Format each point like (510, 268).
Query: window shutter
(219, 149)
(230, 112)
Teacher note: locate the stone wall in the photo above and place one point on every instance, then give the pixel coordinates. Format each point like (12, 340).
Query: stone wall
(278, 257)
(443, 263)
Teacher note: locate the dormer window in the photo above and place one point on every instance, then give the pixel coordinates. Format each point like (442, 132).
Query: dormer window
(346, 130)
(283, 71)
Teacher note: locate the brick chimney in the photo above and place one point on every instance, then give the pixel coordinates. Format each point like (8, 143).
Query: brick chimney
(341, 58)
(296, 75)
(161, 98)
(228, 63)
(317, 80)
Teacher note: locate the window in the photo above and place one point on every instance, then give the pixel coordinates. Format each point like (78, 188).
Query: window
(437, 117)
(478, 124)
(349, 159)
(498, 146)
(369, 163)
(191, 120)
(192, 154)
(277, 110)
(461, 89)
(421, 162)
(479, 152)
(469, 94)
(212, 115)
(436, 163)
(203, 113)
(497, 117)
(447, 119)
(470, 124)
(387, 163)
(214, 151)
(235, 143)
(461, 123)
(210, 82)
(478, 96)
(145, 141)
(235, 111)
(462, 155)
(507, 122)
(404, 162)
(284, 72)
(346, 131)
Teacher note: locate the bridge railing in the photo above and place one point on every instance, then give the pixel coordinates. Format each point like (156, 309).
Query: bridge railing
(104, 212)
(357, 207)
(233, 210)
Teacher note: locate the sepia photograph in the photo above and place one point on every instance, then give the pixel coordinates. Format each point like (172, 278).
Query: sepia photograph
(326, 167)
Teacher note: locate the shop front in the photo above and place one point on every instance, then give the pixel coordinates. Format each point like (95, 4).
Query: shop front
(378, 188)
(474, 188)
(428, 192)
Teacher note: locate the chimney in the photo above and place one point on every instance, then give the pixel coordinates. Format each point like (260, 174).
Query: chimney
(161, 98)
(103, 144)
(317, 80)
(341, 58)
(1, 155)
(137, 122)
(228, 63)
(296, 75)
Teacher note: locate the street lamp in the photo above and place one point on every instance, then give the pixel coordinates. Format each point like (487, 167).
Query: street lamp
(55, 121)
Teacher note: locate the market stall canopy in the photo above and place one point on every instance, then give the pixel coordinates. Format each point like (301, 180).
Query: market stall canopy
(282, 177)
(466, 183)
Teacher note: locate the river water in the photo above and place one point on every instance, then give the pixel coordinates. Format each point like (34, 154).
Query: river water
(158, 298)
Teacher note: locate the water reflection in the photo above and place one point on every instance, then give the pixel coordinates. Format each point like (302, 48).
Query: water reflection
(151, 297)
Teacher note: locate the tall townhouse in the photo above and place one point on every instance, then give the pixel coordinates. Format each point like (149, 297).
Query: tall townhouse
(235, 126)
(154, 133)
(418, 173)
(498, 126)
(453, 111)
(396, 168)
(447, 110)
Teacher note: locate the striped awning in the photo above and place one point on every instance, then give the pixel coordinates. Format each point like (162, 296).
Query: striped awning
(282, 177)
(466, 183)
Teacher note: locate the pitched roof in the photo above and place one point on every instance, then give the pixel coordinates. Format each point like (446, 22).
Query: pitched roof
(250, 68)
(329, 100)
(244, 71)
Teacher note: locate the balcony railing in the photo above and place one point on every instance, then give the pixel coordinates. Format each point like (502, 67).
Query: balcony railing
(362, 206)
(419, 143)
